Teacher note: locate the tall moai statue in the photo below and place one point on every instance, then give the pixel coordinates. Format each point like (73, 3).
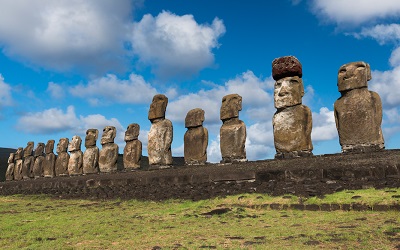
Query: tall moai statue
(50, 160)
(75, 163)
(18, 162)
(233, 130)
(10, 168)
(29, 160)
(292, 121)
(109, 151)
(91, 155)
(62, 159)
(133, 147)
(196, 138)
(160, 135)
(358, 112)
(39, 160)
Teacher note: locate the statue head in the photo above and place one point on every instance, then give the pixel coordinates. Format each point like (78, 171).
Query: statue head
(39, 149)
(91, 137)
(28, 149)
(62, 145)
(231, 105)
(75, 143)
(109, 133)
(194, 118)
(288, 91)
(132, 132)
(158, 107)
(49, 147)
(11, 158)
(18, 155)
(353, 75)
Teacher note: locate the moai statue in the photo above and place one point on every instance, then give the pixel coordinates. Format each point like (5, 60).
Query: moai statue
(292, 121)
(39, 160)
(62, 159)
(358, 112)
(75, 163)
(18, 162)
(133, 147)
(29, 160)
(50, 160)
(160, 135)
(233, 130)
(91, 155)
(196, 138)
(109, 151)
(10, 168)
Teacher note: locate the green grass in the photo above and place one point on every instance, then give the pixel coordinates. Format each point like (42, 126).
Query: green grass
(40, 222)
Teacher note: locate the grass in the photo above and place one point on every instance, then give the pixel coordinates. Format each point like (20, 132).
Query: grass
(40, 222)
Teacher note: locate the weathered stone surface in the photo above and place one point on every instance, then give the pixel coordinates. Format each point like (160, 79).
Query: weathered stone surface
(292, 132)
(18, 164)
(91, 155)
(159, 144)
(158, 107)
(132, 154)
(358, 112)
(75, 163)
(286, 66)
(231, 105)
(108, 158)
(50, 160)
(195, 146)
(194, 118)
(61, 167)
(232, 141)
(28, 150)
(91, 137)
(29, 159)
(160, 135)
(109, 152)
(10, 168)
(196, 138)
(233, 130)
(91, 160)
(133, 148)
(292, 122)
(132, 132)
(39, 160)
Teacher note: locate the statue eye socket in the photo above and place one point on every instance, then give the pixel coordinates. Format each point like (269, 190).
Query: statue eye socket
(278, 84)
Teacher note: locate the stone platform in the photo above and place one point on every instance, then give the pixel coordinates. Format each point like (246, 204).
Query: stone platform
(310, 176)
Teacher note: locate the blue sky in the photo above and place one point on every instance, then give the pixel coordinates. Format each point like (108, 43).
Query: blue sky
(70, 65)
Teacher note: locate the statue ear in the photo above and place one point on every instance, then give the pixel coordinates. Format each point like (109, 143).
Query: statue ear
(368, 68)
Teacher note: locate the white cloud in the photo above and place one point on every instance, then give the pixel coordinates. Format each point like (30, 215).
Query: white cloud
(110, 89)
(260, 141)
(55, 120)
(355, 11)
(48, 121)
(387, 83)
(5, 93)
(55, 90)
(383, 33)
(324, 126)
(175, 45)
(66, 34)
(214, 151)
(257, 101)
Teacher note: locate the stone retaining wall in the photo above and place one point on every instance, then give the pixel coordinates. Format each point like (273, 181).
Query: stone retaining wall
(309, 176)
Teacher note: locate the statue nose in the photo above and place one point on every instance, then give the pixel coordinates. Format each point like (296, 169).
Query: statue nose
(283, 90)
